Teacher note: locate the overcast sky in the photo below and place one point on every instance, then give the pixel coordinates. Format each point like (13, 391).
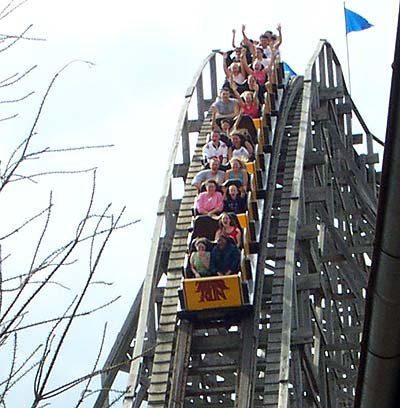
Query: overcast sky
(145, 55)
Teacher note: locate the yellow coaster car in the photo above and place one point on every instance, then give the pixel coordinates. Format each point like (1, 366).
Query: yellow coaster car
(216, 296)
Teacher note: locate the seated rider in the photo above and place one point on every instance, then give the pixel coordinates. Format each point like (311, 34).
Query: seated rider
(225, 257)
(215, 148)
(225, 131)
(238, 172)
(211, 201)
(228, 227)
(213, 173)
(233, 201)
(225, 107)
(234, 73)
(200, 259)
(241, 148)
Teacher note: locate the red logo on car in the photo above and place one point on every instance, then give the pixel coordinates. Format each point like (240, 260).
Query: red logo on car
(211, 290)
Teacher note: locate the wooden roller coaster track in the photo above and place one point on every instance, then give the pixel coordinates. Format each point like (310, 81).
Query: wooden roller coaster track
(299, 347)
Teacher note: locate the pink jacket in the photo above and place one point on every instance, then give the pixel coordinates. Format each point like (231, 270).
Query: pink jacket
(205, 203)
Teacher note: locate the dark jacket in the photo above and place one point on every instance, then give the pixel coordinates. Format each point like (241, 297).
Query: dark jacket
(225, 260)
(237, 206)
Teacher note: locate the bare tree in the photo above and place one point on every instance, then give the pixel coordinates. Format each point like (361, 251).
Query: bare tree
(32, 342)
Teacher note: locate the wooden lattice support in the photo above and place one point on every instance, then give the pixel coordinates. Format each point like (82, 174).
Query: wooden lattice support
(300, 346)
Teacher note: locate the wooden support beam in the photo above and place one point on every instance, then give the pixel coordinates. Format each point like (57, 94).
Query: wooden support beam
(301, 336)
(307, 232)
(194, 125)
(344, 107)
(358, 138)
(308, 282)
(316, 195)
(312, 159)
(180, 170)
(246, 377)
(330, 93)
(215, 344)
(321, 113)
(370, 158)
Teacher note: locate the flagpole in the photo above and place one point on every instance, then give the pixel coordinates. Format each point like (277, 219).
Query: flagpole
(347, 45)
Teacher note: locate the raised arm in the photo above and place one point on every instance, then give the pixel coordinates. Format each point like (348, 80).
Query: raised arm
(226, 69)
(236, 110)
(279, 39)
(253, 51)
(245, 39)
(244, 64)
(271, 62)
(233, 38)
(236, 93)
(214, 124)
(255, 96)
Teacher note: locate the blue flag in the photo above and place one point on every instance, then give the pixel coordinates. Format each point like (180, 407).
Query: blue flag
(286, 68)
(354, 22)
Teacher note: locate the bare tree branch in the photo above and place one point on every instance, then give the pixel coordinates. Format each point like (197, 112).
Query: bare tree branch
(89, 380)
(71, 149)
(9, 117)
(14, 289)
(41, 286)
(11, 384)
(18, 229)
(41, 391)
(18, 99)
(16, 38)
(4, 82)
(26, 145)
(4, 37)
(56, 319)
(12, 365)
(48, 173)
(65, 387)
(1, 278)
(7, 10)
(19, 291)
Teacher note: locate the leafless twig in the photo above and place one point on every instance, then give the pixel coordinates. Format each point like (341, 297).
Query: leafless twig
(7, 82)
(18, 99)
(25, 145)
(9, 117)
(15, 38)
(9, 8)
(65, 317)
(89, 380)
(25, 223)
